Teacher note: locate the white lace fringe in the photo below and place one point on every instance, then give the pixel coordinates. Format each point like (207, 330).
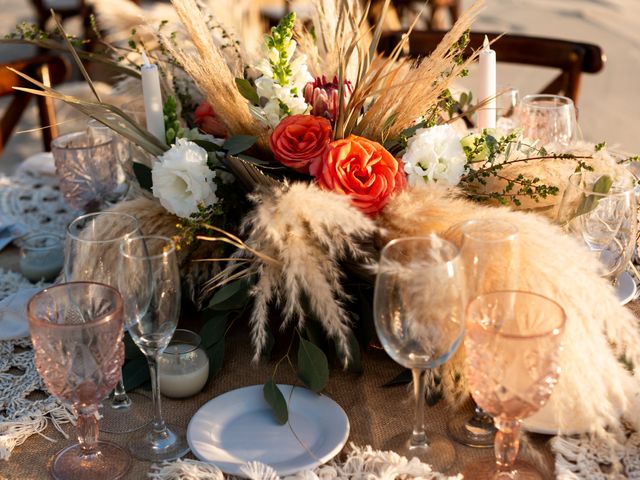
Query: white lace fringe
(361, 462)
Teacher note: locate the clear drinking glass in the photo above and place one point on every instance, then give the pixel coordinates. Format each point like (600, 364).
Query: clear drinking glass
(418, 310)
(87, 168)
(149, 280)
(513, 344)
(92, 254)
(124, 172)
(490, 253)
(76, 329)
(506, 104)
(600, 208)
(548, 119)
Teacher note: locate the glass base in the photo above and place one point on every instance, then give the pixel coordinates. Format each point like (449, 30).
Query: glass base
(109, 463)
(472, 431)
(126, 419)
(485, 469)
(153, 447)
(439, 451)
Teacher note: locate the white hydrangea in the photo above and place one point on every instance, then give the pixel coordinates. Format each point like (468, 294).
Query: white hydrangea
(434, 155)
(182, 179)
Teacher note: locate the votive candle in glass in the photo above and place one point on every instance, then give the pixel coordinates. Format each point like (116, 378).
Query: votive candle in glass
(183, 366)
(41, 257)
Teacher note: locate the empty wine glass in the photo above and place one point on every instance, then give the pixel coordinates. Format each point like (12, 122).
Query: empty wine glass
(76, 329)
(91, 254)
(418, 311)
(548, 119)
(513, 344)
(490, 253)
(507, 101)
(97, 130)
(600, 208)
(149, 280)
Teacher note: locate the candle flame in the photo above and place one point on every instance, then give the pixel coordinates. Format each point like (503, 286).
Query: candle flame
(485, 44)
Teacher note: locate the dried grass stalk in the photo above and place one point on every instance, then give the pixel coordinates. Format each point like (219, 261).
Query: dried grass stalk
(208, 68)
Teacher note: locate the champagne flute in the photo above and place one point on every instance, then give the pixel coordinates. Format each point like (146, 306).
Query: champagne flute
(490, 253)
(548, 119)
(513, 345)
(76, 329)
(418, 312)
(149, 280)
(600, 208)
(91, 254)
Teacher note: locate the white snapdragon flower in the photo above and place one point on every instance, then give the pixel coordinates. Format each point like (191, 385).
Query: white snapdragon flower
(434, 155)
(182, 180)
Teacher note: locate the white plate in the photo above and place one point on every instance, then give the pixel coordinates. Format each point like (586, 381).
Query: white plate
(625, 288)
(13, 314)
(238, 427)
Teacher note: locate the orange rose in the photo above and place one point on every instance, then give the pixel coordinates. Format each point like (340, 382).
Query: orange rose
(299, 142)
(363, 170)
(207, 120)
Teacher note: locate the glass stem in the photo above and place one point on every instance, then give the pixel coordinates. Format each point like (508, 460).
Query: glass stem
(507, 443)
(418, 436)
(87, 426)
(159, 426)
(120, 398)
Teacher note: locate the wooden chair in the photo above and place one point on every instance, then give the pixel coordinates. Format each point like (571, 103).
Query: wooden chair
(437, 15)
(571, 58)
(49, 69)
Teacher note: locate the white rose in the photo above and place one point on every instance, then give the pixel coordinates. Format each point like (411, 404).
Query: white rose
(182, 180)
(434, 155)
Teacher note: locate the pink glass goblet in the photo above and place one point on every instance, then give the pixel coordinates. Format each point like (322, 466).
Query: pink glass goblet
(513, 344)
(76, 329)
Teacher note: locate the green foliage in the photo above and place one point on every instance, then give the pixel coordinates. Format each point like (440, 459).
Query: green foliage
(238, 144)
(143, 175)
(248, 91)
(313, 367)
(276, 401)
(279, 40)
(600, 146)
(135, 373)
(590, 202)
(233, 296)
(171, 121)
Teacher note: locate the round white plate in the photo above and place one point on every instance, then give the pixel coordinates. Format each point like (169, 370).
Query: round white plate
(13, 314)
(625, 288)
(238, 427)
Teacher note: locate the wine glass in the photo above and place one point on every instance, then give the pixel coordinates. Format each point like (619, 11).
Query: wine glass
(490, 253)
(149, 280)
(600, 208)
(97, 130)
(418, 312)
(513, 345)
(548, 119)
(91, 254)
(506, 104)
(76, 329)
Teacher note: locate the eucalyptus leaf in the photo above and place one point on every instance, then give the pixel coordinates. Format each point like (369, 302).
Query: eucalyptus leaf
(216, 357)
(232, 296)
(208, 146)
(403, 378)
(313, 367)
(247, 90)
(276, 401)
(135, 373)
(238, 144)
(213, 330)
(590, 202)
(143, 175)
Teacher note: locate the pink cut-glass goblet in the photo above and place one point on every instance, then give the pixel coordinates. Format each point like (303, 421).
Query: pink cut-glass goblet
(513, 344)
(76, 329)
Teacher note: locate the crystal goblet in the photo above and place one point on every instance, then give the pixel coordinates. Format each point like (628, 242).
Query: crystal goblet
(76, 329)
(418, 312)
(548, 119)
(149, 280)
(513, 344)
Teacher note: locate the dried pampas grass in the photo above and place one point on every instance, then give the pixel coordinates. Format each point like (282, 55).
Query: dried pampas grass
(595, 389)
(302, 234)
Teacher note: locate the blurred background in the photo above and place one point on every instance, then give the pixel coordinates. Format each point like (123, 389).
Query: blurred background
(608, 106)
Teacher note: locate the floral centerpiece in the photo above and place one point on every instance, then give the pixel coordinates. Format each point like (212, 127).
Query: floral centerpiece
(282, 177)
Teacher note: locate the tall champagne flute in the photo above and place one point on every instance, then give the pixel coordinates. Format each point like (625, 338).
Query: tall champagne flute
(76, 329)
(490, 253)
(91, 254)
(418, 310)
(513, 345)
(149, 281)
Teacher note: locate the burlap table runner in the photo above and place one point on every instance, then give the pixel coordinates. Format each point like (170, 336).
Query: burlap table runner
(376, 414)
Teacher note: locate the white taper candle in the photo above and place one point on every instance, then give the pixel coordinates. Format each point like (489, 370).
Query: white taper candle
(152, 99)
(487, 93)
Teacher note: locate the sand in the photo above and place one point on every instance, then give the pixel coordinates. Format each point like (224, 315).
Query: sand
(609, 106)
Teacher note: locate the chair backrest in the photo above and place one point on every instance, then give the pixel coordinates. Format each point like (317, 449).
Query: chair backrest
(571, 58)
(47, 68)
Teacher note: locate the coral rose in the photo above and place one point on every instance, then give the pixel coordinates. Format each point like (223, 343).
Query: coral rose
(363, 170)
(207, 120)
(299, 141)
